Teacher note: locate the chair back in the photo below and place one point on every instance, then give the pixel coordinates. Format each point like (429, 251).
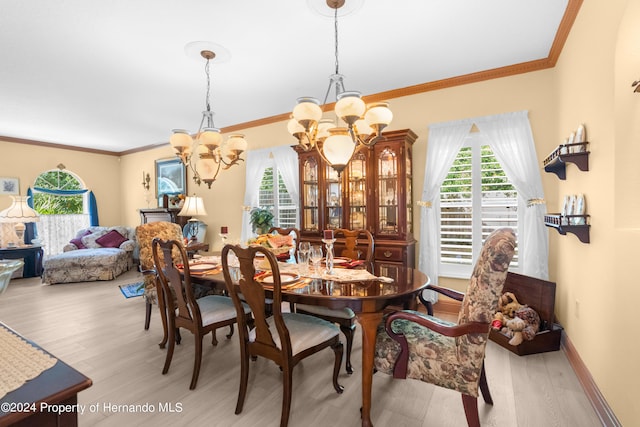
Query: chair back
(173, 282)
(145, 233)
(288, 232)
(241, 279)
(485, 287)
(358, 244)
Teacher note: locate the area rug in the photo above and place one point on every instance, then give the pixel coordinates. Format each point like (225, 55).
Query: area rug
(132, 290)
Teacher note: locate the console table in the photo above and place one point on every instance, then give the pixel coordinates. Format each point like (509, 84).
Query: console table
(32, 255)
(59, 384)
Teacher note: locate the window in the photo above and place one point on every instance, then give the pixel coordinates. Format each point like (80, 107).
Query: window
(276, 198)
(476, 198)
(61, 215)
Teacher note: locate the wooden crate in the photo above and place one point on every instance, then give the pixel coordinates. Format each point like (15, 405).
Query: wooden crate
(541, 296)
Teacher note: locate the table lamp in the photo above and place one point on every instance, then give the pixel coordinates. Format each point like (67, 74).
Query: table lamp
(193, 207)
(18, 213)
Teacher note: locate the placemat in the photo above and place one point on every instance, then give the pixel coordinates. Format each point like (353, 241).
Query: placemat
(19, 361)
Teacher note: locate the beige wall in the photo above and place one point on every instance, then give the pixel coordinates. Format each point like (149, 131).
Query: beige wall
(590, 85)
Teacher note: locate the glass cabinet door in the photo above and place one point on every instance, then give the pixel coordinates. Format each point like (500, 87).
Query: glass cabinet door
(357, 185)
(387, 164)
(310, 219)
(409, 193)
(333, 206)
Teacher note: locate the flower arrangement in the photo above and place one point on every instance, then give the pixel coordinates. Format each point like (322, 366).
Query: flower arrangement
(176, 199)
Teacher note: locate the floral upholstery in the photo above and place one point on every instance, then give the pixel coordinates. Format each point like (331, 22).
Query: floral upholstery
(145, 234)
(94, 262)
(453, 362)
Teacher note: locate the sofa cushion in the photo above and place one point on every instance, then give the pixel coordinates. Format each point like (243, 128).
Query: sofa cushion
(90, 239)
(112, 239)
(78, 239)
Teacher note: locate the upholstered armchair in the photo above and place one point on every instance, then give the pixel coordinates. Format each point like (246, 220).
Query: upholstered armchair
(145, 234)
(410, 344)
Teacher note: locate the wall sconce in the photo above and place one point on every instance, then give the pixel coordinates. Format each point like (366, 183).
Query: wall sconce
(145, 180)
(636, 84)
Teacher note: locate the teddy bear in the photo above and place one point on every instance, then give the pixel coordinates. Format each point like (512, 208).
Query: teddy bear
(524, 325)
(507, 305)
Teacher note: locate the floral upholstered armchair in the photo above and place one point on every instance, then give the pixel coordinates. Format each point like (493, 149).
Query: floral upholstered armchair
(410, 344)
(145, 234)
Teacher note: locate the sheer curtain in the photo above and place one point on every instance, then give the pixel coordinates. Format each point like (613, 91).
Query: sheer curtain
(56, 230)
(512, 143)
(445, 140)
(286, 160)
(511, 139)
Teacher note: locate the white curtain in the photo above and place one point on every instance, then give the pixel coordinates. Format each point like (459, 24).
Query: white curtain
(445, 140)
(512, 143)
(56, 230)
(286, 160)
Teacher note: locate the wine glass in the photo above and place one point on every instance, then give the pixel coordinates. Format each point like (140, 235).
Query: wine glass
(316, 256)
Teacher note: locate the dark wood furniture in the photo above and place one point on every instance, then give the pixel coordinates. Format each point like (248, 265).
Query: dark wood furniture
(374, 192)
(57, 385)
(356, 244)
(284, 339)
(367, 299)
(541, 296)
(200, 317)
(32, 255)
(163, 214)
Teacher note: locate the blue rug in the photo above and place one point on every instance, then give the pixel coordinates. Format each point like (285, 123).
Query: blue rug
(132, 290)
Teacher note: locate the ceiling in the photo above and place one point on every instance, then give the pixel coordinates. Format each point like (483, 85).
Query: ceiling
(114, 76)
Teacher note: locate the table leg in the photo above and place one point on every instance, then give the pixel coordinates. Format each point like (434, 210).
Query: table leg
(369, 323)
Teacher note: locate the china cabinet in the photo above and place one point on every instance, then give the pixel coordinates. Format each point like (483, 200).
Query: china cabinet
(374, 192)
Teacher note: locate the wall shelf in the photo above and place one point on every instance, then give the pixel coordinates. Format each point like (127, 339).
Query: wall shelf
(580, 226)
(557, 161)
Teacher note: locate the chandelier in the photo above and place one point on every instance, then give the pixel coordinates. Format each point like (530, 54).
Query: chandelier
(213, 155)
(363, 124)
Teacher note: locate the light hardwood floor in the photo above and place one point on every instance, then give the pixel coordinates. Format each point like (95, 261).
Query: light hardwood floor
(92, 327)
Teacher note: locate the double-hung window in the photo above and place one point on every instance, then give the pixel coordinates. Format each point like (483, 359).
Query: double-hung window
(476, 198)
(274, 196)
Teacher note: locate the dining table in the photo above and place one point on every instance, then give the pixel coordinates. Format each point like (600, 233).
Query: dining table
(367, 294)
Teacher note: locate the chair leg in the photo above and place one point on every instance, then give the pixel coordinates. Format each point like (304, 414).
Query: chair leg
(348, 332)
(172, 345)
(196, 363)
(287, 385)
(337, 350)
(470, 404)
(214, 338)
(230, 334)
(178, 336)
(484, 386)
(147, 317)
(244, 377)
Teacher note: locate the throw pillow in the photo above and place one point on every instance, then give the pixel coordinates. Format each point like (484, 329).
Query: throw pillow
(112, 239)
(90, 240)
(78, 239)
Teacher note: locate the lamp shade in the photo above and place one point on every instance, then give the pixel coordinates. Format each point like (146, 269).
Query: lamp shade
(19, 211)
(193, 206)
(338, 148)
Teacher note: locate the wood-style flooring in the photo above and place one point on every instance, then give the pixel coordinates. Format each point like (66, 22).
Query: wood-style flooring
(92, 327)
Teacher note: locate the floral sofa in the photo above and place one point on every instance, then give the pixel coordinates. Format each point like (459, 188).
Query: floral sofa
(95, 253)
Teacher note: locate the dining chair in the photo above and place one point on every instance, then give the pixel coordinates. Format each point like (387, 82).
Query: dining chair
(285, 338)
(199, 316)
(358, 244)
(410, 344)
(145, 233)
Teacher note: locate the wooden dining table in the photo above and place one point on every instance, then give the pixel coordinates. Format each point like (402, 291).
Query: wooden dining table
(367, 298)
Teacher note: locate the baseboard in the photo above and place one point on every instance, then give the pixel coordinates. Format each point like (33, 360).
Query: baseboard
(597, 400)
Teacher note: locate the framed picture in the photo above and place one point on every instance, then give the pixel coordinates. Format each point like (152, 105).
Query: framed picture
(171, 177)
(9, 186)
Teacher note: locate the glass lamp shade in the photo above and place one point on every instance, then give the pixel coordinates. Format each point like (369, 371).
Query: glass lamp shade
(363, 128)
(210, 138)
(19, 211)
(307, 112)
(294, 127)
(378, 115)
(236, 142)
(193, 206)
(338, 148)
(324, 126)
(350, 107)
(181, 141)
(208, 167)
